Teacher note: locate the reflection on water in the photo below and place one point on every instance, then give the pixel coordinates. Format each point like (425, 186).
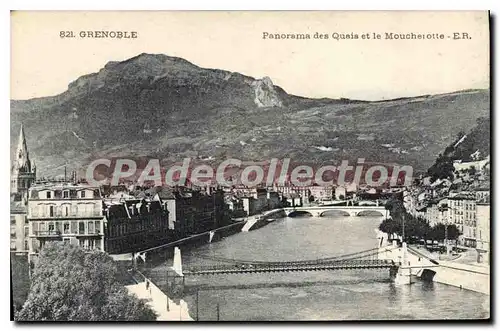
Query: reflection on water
(322, 295)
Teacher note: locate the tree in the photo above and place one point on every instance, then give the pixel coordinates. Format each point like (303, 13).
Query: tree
(390, 226)
(438, 232)
(70, 284)
(442, 168)
(453, 232)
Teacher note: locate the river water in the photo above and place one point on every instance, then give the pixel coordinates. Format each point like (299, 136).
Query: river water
(322, 295)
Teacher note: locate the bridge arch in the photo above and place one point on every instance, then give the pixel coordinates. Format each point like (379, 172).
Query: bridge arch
(428, 275)
(299, 213)
(336, 212)
(370, 212)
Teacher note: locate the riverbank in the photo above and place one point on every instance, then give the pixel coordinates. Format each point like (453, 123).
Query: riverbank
(463, 276)
(166, 308)
(257, 221)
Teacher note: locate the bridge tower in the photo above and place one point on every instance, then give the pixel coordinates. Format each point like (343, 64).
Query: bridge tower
(403, 276)
(175, 277)
(177, 267)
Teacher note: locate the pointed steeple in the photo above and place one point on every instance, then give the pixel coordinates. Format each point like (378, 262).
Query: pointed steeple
(22, 155)
(23, 172)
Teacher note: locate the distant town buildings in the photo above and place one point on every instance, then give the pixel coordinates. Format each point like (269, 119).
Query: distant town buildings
(128, 219)
(463, 201)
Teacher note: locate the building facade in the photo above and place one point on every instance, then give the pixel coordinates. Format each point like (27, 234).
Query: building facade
(192, 212)
(19, 227)
(483, 230)
(70, 213)
(133, 225)
(463, 215)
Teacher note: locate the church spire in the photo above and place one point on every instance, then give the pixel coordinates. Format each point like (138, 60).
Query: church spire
(22, 155)
(23, 172)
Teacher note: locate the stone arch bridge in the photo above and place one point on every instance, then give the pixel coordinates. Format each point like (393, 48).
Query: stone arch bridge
(318, 211)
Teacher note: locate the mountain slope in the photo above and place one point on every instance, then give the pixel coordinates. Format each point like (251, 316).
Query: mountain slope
(166, 107)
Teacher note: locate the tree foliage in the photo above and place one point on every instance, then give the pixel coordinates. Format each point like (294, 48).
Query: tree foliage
(438, 232)
(70, 284)
(442, 168)
(390, 226)
(414, 227)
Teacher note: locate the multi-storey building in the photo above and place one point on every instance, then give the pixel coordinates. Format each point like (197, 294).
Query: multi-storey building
(19, 228)
(463, 215)
(71, 213)
(191, 211)
(321, 193)
(432, 212)
(133, 225)
(23, 174)
(482, 193)
(255, 203)
(483, 230)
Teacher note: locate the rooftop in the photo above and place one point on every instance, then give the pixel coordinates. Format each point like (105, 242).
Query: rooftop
(61, 186)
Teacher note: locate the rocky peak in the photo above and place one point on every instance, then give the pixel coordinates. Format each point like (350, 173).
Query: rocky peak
(265, 93)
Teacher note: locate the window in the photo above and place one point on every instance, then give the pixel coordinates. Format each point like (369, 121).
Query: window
(66, 228)
(66, 194)
(48, 195)
(51, 210)
(26, 246)
(66, 241)
(81, 227)
(97, 226)
(26, 231)
(34, 228)
(66, 210)
(82, 194)
(91, 227)
(51, 226)
(74, 227)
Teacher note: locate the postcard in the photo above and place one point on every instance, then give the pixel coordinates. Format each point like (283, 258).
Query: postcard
(250, 166)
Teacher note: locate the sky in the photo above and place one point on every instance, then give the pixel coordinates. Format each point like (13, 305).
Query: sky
(43, 64)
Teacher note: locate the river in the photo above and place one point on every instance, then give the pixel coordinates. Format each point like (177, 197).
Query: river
(323, 295)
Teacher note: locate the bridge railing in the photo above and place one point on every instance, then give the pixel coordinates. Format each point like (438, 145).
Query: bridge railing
(246, 267)
(373, 252)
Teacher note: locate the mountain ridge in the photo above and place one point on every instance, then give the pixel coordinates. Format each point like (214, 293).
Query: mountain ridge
(166, 107)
